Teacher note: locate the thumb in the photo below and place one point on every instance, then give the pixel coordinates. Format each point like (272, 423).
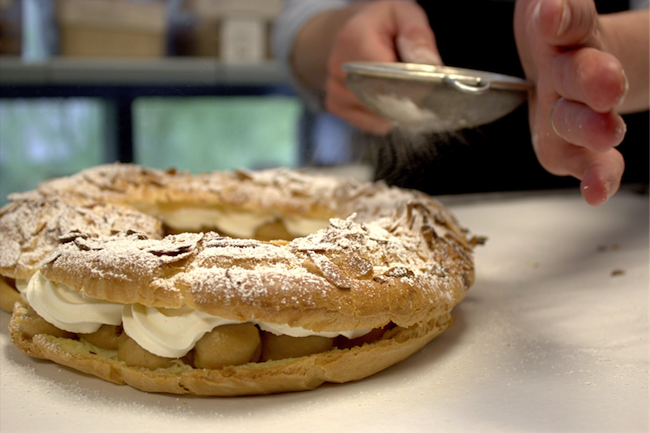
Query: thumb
(415, 40)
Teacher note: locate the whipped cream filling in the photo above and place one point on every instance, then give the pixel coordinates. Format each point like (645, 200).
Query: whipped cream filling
(240, 224)
(68, 309)
(304, 226)
(167, 332)
(293, 331)
(21, 285)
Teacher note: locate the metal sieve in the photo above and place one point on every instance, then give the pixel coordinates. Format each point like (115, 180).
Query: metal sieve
(428, 98)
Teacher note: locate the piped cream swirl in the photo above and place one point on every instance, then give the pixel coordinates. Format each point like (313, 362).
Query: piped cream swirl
(69, 309)
(167, 332)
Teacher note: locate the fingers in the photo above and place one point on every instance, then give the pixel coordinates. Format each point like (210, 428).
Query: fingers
(600, 170)
(598, 183)
(341, 102)
(411, 49)
(600, 173)
(416, 42)
(385, 31)
(569, 51)
(578, 87)
(577, 124)
(566, 22)
(590, 76)
(359, 117)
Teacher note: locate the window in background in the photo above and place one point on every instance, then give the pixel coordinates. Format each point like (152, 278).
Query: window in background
(216, 133)
(45, 138)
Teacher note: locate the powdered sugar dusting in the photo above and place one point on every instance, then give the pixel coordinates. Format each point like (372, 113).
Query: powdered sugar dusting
(30, 230)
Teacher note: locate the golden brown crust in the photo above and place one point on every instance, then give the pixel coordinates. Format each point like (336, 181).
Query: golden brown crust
(8, 296)
(296, 374)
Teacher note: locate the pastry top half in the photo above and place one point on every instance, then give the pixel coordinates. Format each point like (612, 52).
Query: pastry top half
(355, 255)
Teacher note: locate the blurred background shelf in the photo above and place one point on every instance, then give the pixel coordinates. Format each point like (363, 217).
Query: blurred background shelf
(137, 72)
(120, 82)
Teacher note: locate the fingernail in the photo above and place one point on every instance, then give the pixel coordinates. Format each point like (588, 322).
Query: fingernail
(415, 52)
(608, 190)
(535, 16)
(620, 132)
(534, 139)
(565, 20)
(425, 55)
(625, 89)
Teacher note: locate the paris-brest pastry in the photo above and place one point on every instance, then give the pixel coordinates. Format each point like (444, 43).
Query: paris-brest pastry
(228, 283)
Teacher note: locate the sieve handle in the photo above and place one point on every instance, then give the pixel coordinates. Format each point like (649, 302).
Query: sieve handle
(479, 88)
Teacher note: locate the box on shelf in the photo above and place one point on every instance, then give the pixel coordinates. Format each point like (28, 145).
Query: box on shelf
(243, 40)
(10, 28)
(215, 9)
(205, 39)
(112, 28)
(235, 31)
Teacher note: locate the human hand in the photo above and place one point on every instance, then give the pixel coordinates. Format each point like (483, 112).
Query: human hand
(381, 31)
(578, 87)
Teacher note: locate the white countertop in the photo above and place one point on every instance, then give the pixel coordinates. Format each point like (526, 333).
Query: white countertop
(553, 337)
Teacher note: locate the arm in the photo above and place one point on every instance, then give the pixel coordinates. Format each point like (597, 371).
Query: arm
(314, 43)
(384, 31)
(294, 16)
